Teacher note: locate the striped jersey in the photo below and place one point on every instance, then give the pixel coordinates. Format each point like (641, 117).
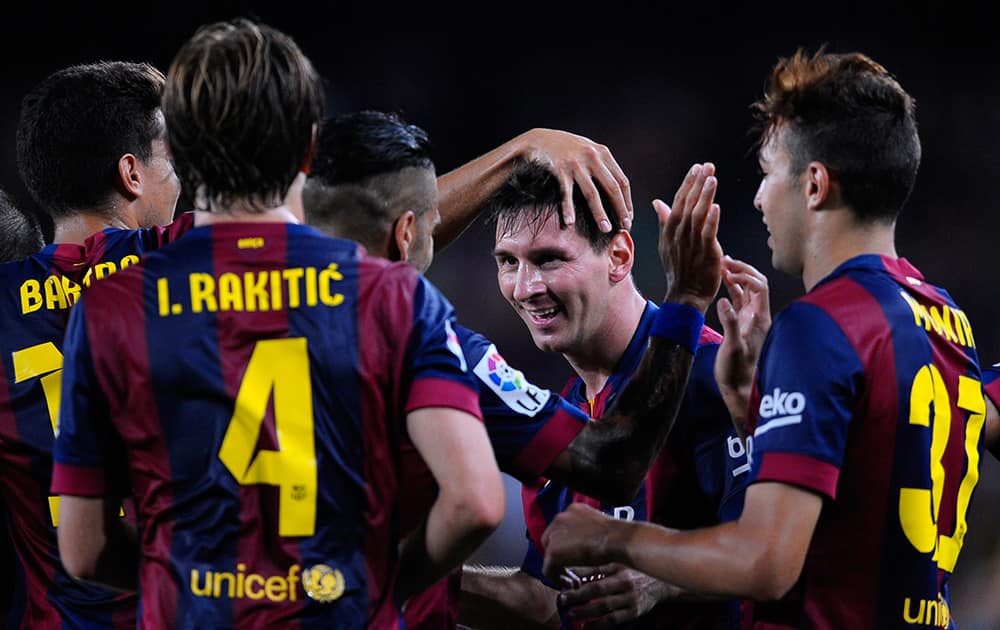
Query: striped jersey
(248, 385)
(697, 480)
(36, 294)
(868, 393)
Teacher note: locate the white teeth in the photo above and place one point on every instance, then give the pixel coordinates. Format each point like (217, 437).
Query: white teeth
(549, 312)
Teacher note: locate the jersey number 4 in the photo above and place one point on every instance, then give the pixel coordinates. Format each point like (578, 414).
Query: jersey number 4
(919, 508)
(281, 367)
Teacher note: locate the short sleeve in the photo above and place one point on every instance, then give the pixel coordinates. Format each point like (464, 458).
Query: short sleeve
(807, 381)
(84, 430)
(439, 373)
(528, 425)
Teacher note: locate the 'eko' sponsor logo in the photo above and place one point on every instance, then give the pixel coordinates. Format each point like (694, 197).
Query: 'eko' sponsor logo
(780, 409)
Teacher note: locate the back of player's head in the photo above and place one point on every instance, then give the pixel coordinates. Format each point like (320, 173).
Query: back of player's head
(354, 147)
(77, 123)
(241, 103)
(847, 112)
(532, 194)
(367, 169)
(20, 232)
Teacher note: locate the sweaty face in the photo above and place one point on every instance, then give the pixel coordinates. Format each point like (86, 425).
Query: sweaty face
(781, 199)
(556, 283)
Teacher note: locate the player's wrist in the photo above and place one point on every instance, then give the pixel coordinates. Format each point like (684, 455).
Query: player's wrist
(620, 541)
(737, 400)
(679, 323)
(694, 300)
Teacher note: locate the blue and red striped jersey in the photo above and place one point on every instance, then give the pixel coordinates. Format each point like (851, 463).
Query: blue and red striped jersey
(36, 295)
(250, 383)
(868, 393)
(698, 478)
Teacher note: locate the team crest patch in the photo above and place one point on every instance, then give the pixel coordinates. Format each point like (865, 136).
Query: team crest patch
(322, 583)
(509, 384)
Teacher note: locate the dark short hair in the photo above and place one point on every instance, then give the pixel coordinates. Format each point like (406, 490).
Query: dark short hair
(353, 147)
(362, 172)
(240, 103)
(532, 193)
(75, 125)
(848, 112)
(20, 232)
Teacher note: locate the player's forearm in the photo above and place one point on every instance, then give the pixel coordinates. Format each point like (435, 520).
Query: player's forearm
(454, 528)
(717, 560)
(463, 191)
(610, 458)
(501, 598)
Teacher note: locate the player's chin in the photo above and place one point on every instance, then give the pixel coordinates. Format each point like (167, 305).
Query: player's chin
(546, 342)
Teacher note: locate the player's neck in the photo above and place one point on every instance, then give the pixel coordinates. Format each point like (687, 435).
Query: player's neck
(834, 244)
(78, 227)
(595, 361)
(238, 214)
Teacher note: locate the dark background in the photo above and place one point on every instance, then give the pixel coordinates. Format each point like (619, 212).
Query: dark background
(662, 86)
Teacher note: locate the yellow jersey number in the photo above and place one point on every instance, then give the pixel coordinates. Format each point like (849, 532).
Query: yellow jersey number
(280, 366)
(919, 508)
(44, 360)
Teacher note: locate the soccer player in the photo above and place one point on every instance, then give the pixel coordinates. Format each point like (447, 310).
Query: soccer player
(20, 236)
(867, 409)
(248, 385)
(91, 150)
(372, 180)
(573, 289)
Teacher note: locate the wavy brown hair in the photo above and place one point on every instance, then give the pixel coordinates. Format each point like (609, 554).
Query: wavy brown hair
(848, 112)
(240, 103)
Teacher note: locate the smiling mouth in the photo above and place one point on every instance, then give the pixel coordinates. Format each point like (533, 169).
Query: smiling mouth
(542, 316)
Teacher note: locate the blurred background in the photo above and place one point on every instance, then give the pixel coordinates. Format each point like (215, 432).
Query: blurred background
(663, 86)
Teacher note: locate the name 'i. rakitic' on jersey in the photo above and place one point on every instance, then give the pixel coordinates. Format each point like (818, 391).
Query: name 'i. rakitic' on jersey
(267, 290)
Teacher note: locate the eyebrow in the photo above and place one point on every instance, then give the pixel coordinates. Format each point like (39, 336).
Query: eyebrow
(553, 252)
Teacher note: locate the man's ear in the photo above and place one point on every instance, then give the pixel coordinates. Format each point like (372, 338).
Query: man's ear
(820, 187)
(403, 234)
(129, 176)
(621, 256)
